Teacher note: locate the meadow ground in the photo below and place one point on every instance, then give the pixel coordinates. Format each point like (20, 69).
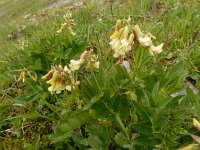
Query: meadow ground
(150, 107)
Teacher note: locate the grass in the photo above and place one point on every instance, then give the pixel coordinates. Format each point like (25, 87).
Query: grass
(29, 114)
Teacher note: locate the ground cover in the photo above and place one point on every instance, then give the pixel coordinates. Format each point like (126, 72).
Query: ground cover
(102, 95)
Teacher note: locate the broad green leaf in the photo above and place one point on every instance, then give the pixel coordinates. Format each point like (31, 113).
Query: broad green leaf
(150, 99)
(54, 108)
(121, 125)
(141, 110)
(143, 127)
(160, 119)
(121, 139)
(95, 142)
(143, 140)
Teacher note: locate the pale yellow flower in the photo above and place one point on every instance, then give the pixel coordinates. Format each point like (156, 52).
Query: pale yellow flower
(156, 49)
(96, 64)
(60, 78)
(121, 40)
(69, 88)
(144, 40)
(74, 64)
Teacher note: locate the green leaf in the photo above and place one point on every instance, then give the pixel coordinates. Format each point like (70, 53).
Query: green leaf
(101, 131)
(91, 103)
(150, 98)
(155, 91)
(141, 110)
(143, 140)
(120, 105)
(73, 121)
(121, 125)
(121, 139)
(143, 127)
(79, 140)
(54, 108)
(160, 119)
(175, 71)
(95, 142)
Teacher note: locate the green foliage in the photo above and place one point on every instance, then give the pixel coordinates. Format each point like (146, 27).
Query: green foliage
(111, 108)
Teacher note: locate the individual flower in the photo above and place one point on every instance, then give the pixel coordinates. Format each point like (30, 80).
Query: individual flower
(96, 64)
(75, 64)
(90, 58)
(156, 49)
(66, 69)
(69, 88)
(118, 25)
(144, 39)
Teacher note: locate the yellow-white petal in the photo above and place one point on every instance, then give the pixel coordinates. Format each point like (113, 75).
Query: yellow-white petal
(117, 53)
(114, 35)
(117, 44)
(96, 64)
(131, 38)
(74, 64)
(156, 49)
(68, 87)
(125, 33)
(145, 40)
(66, 69)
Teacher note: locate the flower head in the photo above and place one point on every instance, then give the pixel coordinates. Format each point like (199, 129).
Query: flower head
(69, 22)
(121, 40)
(146, 40)
(60, 78)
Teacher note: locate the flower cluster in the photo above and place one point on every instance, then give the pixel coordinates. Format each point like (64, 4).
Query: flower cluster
(69, 22)
(22, 44)
(86, 57)
(63, 78)
(146, 40)
(25, 73)
(122, 39)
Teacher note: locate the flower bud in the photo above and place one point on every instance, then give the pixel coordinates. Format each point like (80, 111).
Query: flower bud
(125, 33)
(84, 55)
(131, 38)
(118, 25)
(137, 30)
(60, 69)
(196, 124)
